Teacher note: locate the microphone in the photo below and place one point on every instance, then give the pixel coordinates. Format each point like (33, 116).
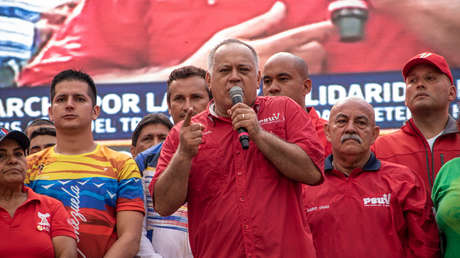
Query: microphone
(236, 94)
(350, 17)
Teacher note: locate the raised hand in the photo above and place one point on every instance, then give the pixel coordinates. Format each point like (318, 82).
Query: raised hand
(190, 136)
(305, 41)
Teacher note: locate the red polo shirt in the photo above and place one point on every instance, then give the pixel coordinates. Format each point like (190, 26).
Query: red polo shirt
(30, 231)
(239, 204)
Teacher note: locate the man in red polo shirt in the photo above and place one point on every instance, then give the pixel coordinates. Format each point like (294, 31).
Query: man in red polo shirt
(367, 207)
(286, 74)
(242, 202)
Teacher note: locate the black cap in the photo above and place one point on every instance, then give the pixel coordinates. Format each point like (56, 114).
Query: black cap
(18, 136)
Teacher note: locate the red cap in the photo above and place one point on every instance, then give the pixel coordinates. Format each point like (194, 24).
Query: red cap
(428, 58)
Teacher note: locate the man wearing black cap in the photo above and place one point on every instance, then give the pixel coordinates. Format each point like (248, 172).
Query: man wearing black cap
(430, 138)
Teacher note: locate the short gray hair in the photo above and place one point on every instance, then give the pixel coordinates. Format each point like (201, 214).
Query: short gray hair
(227, 42)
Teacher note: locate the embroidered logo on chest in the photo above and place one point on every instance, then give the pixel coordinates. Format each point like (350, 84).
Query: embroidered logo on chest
(273, 118)
(382, 201)
(43, 225)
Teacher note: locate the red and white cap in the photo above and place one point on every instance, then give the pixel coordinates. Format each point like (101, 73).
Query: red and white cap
(431, 59)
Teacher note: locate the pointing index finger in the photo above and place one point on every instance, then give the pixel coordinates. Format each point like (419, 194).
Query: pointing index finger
(188, 117)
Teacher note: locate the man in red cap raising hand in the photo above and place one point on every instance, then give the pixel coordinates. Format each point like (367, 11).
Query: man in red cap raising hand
(431, 137)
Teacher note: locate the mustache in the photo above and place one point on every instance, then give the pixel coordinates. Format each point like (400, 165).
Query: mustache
(351, 136)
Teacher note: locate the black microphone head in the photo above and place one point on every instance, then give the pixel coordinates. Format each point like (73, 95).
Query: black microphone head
(236, 94)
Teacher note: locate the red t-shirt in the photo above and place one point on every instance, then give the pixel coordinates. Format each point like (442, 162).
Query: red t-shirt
(239, 204)
(30, 231)
(102, 35)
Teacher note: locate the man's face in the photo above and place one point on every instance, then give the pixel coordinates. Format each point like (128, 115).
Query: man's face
(150, 135)
(234, 64)
(281, 78)
(185, 93)
(41, 142)
(71, 107)
(351, 128)
(13, 163)
(428, 88)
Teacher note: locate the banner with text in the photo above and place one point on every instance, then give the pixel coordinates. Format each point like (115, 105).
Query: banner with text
(124, 105)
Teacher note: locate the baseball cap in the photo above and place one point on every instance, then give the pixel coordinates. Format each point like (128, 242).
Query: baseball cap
(15, 135)
(428, 58)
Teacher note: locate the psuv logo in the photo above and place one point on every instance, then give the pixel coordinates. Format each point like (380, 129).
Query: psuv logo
(383, 201)
(43, 225)
(273, 118)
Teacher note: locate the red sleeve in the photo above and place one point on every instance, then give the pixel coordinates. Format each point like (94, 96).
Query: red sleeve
(301, 131)
(422, 235)
(60, 223)
(167, 151)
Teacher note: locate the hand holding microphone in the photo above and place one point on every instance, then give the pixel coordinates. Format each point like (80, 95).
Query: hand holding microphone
(242, 115)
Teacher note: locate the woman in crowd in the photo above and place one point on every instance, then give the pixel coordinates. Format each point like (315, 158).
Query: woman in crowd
(31, 225)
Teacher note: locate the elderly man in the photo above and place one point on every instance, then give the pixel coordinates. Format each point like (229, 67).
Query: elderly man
(286, 74)
(242, 202)
(430, 138)
(367, 207)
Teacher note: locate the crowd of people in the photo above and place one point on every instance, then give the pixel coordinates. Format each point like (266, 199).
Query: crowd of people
(305, 187)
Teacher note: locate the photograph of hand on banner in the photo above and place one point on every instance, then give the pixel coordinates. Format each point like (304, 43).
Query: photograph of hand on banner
(142, 41)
